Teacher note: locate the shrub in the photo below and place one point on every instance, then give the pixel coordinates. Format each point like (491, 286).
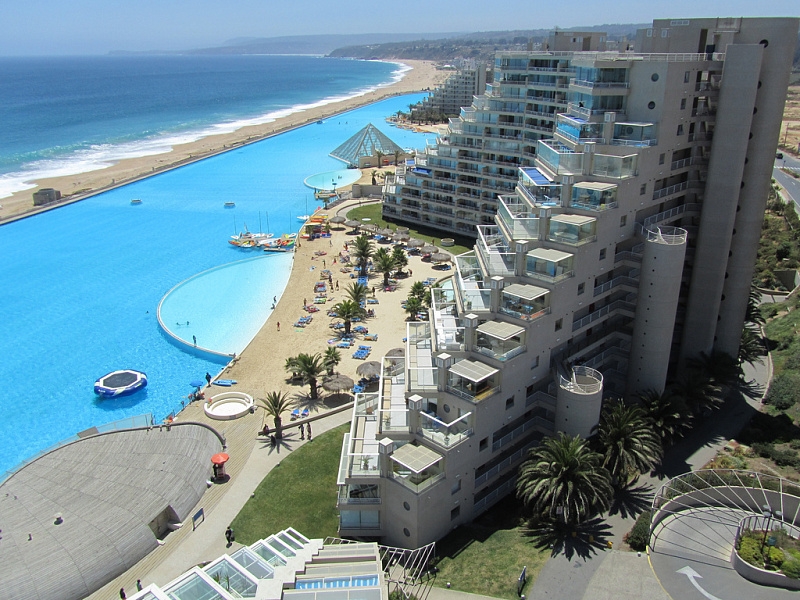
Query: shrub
(639, 535)
(784, 391)
(750, 551)
(795, 444)
(775, 556)
(791, 568)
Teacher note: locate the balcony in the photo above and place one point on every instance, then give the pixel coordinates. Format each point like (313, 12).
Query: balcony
(600, 85)
(472, 380)
(416, 467)
(560, 159)
(358, 494)
(590, 195)
(444, 434)
(500, 341)
(517, 218)
(525, 302)
(584, 380)
(669, 190)
(618, 305)
(574, 230)
(549, 265)
(615, 167)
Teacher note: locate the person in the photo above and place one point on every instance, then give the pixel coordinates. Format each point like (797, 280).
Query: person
(138, 585)
(410, 273)
(337, 286)
(229, 536)
(264, 431)
(122, 593)
(279, 325)
(308, 431)
(274, 299)
(302, 432)
(208, 378)
(323, 263)
(194, 339)
(272, 441)
(305, 302)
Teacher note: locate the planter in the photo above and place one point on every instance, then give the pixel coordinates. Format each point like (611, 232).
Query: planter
(448, 242)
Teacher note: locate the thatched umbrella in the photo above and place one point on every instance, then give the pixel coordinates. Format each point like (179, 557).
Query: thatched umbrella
(386, 231)
(337, 383)
(396, 352)
(428, 249)
(403, 230)
(369, 369)
(353, 223)
(400, 236)
(371, 227)
(441, 257)
(415, 243)
(337, 219)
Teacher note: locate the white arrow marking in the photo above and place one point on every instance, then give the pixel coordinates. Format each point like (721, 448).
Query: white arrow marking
(693, 577)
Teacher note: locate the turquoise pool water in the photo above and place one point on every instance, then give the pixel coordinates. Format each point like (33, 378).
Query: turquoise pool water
(326, 180)
(81, 284)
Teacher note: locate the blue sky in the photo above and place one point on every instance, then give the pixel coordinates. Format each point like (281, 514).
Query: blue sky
(29, 27)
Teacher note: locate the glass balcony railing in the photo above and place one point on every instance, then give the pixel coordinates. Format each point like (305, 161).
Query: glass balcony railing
(574, 230)
(444, 434)
(559, 159)
(517, 218)
(617, 167)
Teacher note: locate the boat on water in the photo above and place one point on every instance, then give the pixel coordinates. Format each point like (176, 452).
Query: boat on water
(120, 383)
(282, 244)
(323, 194)
(136, 201)
(229, 204)
(249, 240)
(303, 217)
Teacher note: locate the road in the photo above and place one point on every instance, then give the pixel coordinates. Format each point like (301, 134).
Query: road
(786, 181)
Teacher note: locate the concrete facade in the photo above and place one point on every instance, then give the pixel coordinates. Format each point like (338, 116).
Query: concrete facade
(458, 90)
(612, 256)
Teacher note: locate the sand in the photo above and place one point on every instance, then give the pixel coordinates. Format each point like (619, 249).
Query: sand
(423, 75)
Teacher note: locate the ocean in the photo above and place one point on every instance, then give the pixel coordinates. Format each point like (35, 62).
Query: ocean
(67, 115)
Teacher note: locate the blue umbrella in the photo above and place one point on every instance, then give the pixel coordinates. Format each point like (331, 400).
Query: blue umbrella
(197, 383)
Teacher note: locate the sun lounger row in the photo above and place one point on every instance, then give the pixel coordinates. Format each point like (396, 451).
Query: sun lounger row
(362, 352)
(298, 414)
(303, 321)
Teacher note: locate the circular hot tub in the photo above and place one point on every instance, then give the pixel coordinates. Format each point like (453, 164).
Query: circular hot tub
(228, 405)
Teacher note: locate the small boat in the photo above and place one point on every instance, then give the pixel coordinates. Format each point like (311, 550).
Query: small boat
(225, 382)
(229, 204)
(304, 217)
(136, 201)
(120, 383)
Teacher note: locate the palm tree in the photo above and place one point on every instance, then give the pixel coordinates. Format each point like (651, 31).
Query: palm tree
(668, 413)
(413, 306)
(397, 154)
(753, 314)
(722, 369)
(276, 404)
(361, 252)
(626, 438)
(310, 367)
(290, 366)
(384, 263)
(696, 390)
(563, 476)
(347, 310)
(331, 358)
(751, 348)
(380, 156)
(400, 258)
(357, 292)
(417, 290)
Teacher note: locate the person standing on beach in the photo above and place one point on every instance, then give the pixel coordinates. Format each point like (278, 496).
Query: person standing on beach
(208, 378)
(308, 431)
(302, 432)
(279, 325)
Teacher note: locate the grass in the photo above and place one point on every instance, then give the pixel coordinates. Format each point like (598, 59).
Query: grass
(300, 492)
(373, 212)
(487, 556)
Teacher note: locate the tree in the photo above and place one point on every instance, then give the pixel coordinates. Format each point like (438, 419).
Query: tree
(417, 290)
(400, 258)
(331, 358)
(310, 367)
(413, 306)
(564, 477)
(627, 441)
(361, 252)
(291, 366)
(347, 310)
(397, 154)
(357, 292)
(276, 404)
(380, 156)
(696, 390)
(384, 263)
(668, 413)
(751, 348)
(722, 369)
(753, 314)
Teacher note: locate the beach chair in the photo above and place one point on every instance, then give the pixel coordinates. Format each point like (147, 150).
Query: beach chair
(357, 389)
(372, 337)
(304, 414)
(295, 414)
(372, 301)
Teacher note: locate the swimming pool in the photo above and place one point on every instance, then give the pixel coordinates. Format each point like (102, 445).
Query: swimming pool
(329, 180)
(81, 284)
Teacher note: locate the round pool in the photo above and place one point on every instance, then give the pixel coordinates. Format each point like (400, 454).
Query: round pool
(325, 181)
(228, 405)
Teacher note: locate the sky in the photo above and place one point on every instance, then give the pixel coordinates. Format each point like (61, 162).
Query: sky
(64, 27)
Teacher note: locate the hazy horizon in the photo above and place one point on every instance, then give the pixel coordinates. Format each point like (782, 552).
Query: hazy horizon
(93, 27)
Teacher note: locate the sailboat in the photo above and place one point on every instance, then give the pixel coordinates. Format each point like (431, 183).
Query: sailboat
(306, 216)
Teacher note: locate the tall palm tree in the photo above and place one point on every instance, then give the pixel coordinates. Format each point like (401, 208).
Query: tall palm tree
(357, 292)
(564, 477)
(310, 367)
(722, 369)
(290, 366)
(668, 413)
(696, 390)
(276, 404)
(400, 258)
(753, 314)
(626, 438)
(361, 252)
(417, 290)
(413, 306)
(751, 348)
(397, 154)
(347, 310)
(331, 358)
(384, 263)
(380, 154)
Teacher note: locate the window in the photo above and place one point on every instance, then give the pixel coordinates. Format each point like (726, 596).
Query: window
(510, 402)
(643, 189)
(683, 103)
(623, 220)
(559, 324)
(454, 513)
(581, 288)
(687, 76)
(654, 77)
(484, 444)
(661, 158)
(456, 487)
(680, 129)
(651, 105)
(535, 363)
(603, 254)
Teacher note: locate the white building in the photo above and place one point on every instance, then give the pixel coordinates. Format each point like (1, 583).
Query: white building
(628, 243)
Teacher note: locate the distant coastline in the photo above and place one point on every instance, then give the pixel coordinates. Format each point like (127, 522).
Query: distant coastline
(412, 76)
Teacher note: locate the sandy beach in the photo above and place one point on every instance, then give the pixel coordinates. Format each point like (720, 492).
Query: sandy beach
(423, 75)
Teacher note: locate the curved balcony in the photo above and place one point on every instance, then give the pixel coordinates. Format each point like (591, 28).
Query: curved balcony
(585, 380)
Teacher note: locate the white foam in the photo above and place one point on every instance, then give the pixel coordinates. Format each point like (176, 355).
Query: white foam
(103, 156)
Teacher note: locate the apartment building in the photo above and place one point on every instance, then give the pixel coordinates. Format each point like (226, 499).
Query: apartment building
(627, 243)
(458, 90)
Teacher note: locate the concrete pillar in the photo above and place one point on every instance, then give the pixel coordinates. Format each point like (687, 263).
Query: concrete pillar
(470, 325)
(496, 284)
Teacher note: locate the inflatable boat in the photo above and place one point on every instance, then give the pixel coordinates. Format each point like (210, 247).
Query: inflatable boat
(120, 383)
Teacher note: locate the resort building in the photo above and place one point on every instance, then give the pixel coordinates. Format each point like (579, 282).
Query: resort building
(627, 243)
(457, 91)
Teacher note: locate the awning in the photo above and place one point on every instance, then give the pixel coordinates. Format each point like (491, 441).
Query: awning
(536, 176)
(548, 254)
(572, 219)
(500, 330)
(416, 458)
(526, 292)
(595, 185)
(472, 370)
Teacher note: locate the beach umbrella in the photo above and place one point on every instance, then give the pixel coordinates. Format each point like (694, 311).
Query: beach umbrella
(337, 383)
(386, 231)
(369, 369)
(197, 383)
(415, 243)
(369, 227)
(403, 230)
(220, 459)
(396, 352)
(338, 219)
(353, 223)
(400, 237)
(428, 249)
(441, 257)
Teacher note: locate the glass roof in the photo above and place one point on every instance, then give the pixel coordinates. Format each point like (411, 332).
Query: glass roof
(367, 142)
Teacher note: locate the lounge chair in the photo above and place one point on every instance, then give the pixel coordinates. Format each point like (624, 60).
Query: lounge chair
(295, 414)
(304, 414)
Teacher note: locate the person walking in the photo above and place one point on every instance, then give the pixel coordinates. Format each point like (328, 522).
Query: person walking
(279, 325)
(308, 431)
(229, 536)
(138, 585)
(208, 378)
(302, 432)
(122, 593)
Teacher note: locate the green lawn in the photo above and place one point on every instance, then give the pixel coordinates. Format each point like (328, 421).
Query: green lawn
(299, 493)
(373, 212)
(487, 557)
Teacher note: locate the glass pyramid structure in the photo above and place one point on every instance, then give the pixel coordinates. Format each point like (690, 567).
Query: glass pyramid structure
(367, 142)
